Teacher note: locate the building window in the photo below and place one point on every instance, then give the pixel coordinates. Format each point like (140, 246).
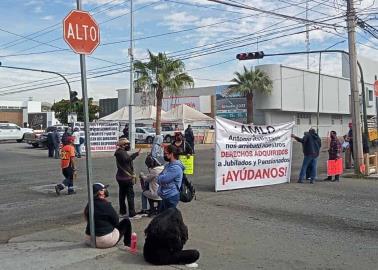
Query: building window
(306, 118)
(335, 118)
(370, 94)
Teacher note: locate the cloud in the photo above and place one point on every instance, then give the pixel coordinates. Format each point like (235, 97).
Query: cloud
(48, 18)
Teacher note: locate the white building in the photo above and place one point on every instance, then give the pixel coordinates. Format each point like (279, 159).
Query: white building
(294, 98)
(22, 112)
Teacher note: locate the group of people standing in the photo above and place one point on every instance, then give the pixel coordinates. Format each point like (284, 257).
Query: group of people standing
(166, 234)
(311, 144)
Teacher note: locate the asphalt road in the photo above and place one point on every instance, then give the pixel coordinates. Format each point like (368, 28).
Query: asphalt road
(288, 226)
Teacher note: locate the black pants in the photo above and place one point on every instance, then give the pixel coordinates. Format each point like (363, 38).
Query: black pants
(166, 257)
(50, 148)
(124, 228)
(126, 190)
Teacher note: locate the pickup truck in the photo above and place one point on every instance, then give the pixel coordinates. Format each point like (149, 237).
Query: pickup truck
(10, 131)
(39, 138)
(147, 134)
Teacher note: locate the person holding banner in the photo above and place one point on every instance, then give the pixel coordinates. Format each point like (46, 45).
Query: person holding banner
(334, 153)
(311, 147)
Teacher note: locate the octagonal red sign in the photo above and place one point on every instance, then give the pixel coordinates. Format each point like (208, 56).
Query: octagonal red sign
(81, 32)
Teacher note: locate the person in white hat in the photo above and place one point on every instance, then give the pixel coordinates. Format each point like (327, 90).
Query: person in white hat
(126, 177)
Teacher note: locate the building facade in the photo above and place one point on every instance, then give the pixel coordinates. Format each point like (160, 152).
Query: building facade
(294, 98)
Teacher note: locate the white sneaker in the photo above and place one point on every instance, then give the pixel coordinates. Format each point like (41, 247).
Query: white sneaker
(192, 265)
(135, 217)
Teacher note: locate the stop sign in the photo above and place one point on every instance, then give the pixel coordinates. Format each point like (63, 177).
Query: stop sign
(81, 32)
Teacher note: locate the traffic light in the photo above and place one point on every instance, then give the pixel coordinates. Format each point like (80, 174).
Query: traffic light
(73, 96)
(250, 55)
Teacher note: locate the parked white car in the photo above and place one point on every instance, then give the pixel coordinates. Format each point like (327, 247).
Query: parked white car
(10, 131)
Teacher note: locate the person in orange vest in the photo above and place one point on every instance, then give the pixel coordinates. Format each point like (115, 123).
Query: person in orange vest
(68, 165)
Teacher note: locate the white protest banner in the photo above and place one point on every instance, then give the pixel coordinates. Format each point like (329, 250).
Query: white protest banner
(251, 155)
(103, 135)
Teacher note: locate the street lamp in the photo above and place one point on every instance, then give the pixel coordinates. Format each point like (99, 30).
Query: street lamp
(44, 71)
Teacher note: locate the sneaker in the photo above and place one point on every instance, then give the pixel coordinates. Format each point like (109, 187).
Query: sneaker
(192, 265)
(57, 190)
(123, 215)
(135, 217)
(143, 213)
(71, 192)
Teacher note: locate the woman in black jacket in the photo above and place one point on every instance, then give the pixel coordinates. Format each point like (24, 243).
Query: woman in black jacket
(166, 236)
(108, 229)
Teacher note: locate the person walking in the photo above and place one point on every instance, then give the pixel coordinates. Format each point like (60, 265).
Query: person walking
(126, 177)
(311, 147)
(108, 229)
(56, 143)
(76, 135)
(68, 166)
(170, 179)
(334, 152)
(189, 137)
(50, 144)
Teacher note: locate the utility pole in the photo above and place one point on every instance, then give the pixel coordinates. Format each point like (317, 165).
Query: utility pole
(307, 38)
(319, 81)
(355, 97)
(131, 104)
(88, 153)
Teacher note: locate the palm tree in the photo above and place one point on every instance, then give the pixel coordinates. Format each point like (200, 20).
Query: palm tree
(162, 73)
(247, 83)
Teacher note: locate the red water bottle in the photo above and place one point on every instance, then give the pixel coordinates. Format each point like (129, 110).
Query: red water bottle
(134, 241)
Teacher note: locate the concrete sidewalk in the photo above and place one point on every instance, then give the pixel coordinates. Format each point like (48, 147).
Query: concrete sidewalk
(64, 248)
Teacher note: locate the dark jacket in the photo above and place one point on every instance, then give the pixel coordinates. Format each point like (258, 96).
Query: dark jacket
(124, 164)
(184, 148)
(189, 136)
(311, 144)
(334, 149)
(105, 217)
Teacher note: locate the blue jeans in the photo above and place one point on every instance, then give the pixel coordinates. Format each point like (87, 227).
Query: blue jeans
(78, 150)
(170, 202)
(308, 161)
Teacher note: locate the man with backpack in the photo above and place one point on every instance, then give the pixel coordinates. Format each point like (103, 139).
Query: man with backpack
(170, 179)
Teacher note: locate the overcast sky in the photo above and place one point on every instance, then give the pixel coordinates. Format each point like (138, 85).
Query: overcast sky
(205, 35)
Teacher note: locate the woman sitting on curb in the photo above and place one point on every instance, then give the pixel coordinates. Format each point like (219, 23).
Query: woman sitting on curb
(108, 229)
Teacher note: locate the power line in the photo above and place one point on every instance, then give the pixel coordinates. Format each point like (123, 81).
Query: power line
(190, 55)
(275, 14)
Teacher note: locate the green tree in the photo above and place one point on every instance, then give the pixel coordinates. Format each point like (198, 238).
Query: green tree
(163, 74)
(246, 83)
(64, 107)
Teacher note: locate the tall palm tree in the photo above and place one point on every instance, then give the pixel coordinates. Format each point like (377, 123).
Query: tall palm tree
(246, 83)
(163, 74)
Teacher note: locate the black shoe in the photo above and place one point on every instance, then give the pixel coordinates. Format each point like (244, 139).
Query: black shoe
(300, 181)
(327, 179)
(71, 192)
(57, 190)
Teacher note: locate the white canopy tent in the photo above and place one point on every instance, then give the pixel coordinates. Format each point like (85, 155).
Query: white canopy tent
(185, 114)
(140, 113)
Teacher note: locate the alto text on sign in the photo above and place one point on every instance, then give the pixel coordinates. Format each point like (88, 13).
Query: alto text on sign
(81, 32)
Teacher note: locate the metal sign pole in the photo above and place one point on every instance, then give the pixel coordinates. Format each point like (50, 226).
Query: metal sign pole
(88, 157)
(131, 104)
